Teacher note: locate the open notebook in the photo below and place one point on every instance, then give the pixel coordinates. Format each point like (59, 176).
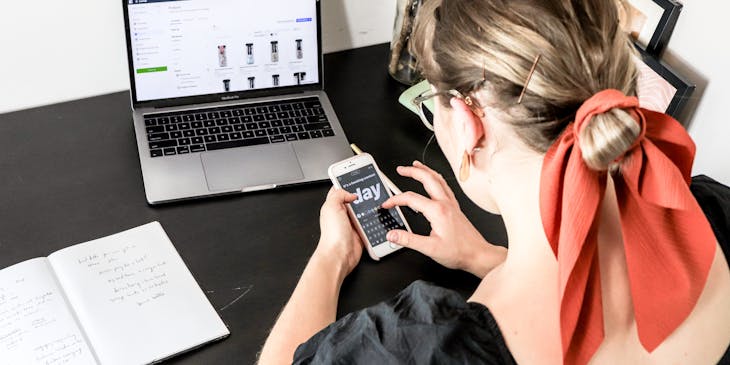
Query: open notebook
(122, 299)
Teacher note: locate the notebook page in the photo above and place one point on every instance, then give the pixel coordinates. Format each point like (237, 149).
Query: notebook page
(36, 324)
(135, 298)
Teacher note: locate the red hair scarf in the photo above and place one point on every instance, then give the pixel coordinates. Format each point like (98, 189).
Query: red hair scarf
(669, 243)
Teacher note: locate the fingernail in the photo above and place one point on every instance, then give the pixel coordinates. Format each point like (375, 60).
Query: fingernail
(392, 236)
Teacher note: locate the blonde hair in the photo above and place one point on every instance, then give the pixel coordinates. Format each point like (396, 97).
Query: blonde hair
(489, 46)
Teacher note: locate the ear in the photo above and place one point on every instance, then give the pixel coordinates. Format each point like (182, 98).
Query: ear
(472, 126)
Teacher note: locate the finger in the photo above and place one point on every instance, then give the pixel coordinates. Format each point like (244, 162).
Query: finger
(414, 201)
(421, 165)
(438, 176)
(340, 196)
(433, 187)
(422, 244)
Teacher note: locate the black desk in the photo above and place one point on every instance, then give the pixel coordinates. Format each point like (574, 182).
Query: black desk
(70, 173)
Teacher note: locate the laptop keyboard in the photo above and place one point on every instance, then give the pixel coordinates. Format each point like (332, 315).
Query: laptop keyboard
(218, 128)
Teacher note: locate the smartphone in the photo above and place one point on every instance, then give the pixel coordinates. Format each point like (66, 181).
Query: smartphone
(360, 175)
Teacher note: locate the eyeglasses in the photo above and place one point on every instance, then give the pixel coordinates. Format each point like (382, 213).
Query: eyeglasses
(427, 116)
(424, 111)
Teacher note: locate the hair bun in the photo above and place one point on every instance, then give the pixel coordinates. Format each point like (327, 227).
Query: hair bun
(607, 137)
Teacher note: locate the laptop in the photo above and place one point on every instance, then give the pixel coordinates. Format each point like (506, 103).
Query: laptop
(227, 96)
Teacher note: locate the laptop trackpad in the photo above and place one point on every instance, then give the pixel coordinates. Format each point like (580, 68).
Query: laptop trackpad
(240, 168)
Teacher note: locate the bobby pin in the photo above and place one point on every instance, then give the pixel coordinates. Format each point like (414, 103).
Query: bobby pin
(529, 77)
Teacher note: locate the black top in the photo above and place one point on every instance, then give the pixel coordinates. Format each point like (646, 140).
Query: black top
(427, 324)
(423, 324)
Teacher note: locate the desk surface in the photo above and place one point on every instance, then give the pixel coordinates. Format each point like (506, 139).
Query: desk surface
(70, 173)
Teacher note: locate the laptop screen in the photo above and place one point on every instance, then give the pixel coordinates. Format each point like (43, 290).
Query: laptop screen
(184, 48)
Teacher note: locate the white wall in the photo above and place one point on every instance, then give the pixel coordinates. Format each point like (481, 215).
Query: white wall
(699, 48)
(52, 51)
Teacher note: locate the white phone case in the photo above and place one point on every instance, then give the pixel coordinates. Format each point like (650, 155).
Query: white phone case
(354, 163)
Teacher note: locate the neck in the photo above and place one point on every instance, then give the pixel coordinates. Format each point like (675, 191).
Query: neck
(516, 191)
(523, 291)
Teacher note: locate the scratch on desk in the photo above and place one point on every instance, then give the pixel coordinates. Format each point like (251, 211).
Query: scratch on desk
(246, 290)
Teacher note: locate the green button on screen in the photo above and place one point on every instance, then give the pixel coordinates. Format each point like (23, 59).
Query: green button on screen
(151, 69)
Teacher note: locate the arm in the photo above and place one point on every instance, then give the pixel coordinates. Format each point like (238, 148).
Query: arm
(453, 241)
(313, 305)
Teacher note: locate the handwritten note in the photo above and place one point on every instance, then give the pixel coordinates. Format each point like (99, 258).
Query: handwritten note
(134, 297)
(63, 350)
(130, 274)
(36, 326)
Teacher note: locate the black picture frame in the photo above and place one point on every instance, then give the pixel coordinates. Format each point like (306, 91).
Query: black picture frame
(684, 87)
(665, 25)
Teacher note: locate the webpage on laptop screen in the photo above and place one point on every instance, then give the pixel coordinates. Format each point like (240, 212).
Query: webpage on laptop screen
(197, 47)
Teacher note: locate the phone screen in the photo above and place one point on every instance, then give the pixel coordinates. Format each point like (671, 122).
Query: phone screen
(370, 190)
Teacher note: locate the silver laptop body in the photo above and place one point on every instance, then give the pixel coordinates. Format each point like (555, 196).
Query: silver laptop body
(275, 44)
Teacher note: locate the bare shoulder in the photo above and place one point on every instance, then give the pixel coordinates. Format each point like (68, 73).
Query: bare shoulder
(522, 306)
(524, 301)
(710, 319)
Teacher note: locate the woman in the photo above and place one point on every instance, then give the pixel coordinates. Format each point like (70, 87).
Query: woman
(610, 258)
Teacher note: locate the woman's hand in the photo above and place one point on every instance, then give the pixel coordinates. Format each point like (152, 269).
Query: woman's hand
(453, 242)
(339, 243)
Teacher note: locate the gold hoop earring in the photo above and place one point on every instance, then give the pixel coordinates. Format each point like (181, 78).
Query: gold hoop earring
(465, 167)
